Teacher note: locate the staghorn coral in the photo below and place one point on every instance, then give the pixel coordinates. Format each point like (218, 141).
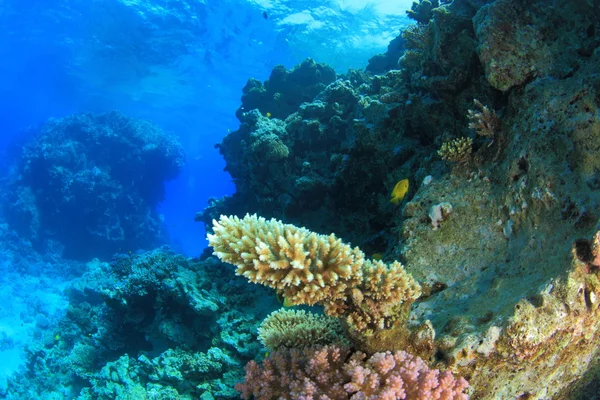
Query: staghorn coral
(299, 329)
(457, 150)
(485, 121)
(308, 268)
(324, 373)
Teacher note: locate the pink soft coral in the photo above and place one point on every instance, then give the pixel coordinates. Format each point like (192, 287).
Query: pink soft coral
(331, 373)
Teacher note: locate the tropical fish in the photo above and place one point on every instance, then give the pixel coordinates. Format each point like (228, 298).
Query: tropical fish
(287, 302)
(283, 300)
(399, 191)
(268, 114)
(377, 256)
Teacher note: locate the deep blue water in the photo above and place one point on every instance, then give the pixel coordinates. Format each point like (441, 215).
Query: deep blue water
(180, 64)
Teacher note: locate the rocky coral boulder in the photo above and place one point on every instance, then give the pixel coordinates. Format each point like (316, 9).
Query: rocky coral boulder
(91, 182)
(285, 90)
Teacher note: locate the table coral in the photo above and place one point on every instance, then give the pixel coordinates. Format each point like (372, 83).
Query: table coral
(308, 268)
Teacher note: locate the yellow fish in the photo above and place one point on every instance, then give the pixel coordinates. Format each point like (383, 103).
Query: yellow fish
(283, 300)
(268, 115)
(399, 191)
(287, 302)
(57, 337)
(377, 256)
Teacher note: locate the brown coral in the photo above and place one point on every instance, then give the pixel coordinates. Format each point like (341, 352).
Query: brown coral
(484, 121)
(381, 300)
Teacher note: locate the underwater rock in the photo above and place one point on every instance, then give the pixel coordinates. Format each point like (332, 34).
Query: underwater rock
(518, 41)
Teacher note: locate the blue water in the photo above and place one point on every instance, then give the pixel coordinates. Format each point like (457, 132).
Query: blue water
(178, 63)
(181, 64)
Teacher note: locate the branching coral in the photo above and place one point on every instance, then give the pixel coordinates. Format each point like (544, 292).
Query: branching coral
(333, 373)
(308, 268)
(457, 150)
(303, 266)
(484, 121)
(299, 329)
(382, 298)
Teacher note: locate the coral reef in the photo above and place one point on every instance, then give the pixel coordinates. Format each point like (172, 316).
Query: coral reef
(144, 325)
(91, 183)
(499, 280)
(422, 11)
(381, 63)
(502, 245)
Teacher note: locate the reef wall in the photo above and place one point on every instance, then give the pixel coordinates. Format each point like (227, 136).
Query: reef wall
(492, 115)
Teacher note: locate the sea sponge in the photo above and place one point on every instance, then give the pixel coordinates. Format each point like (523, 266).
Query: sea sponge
(300, 329)
(308, 268)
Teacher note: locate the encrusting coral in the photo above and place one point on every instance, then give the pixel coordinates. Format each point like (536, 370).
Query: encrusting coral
(333, 373)
(308, 268)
